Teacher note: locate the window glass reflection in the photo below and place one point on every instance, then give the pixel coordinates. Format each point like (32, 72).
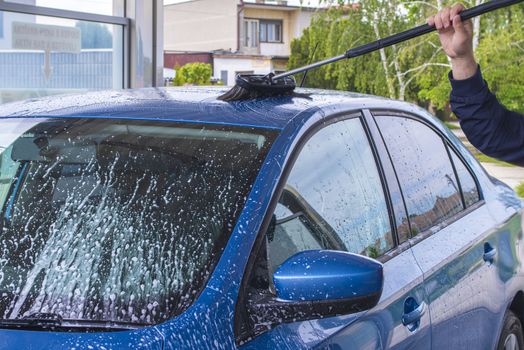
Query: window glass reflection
(469, 187)
(100, 7)
(334, 198)
(42, 55)
(424, 170)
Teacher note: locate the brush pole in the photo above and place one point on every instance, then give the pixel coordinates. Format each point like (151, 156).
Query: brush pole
(308, 67)
(401, 37)
(310, 59)
(425, 28)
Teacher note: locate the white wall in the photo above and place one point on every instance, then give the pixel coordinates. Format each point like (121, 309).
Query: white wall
(275, 49)
(201, 25)
(301, 20)
(234, 65)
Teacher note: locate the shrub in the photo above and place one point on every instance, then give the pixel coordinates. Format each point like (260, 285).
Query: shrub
(194, 74)
(520, 189)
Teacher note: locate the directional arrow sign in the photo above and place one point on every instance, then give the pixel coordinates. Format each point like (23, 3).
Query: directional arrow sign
(47, 38)
(47, 69)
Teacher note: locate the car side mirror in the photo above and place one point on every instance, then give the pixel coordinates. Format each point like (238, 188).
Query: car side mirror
(328, 275)
(317, 284)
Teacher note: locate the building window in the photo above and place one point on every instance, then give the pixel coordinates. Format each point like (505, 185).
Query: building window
(251, 33)
(100, 7)
(86, 55)
(270, 31)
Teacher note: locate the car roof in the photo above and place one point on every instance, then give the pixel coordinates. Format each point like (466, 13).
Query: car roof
(194, 104)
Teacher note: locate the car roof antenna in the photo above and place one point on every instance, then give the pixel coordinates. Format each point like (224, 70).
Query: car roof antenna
(309, 62)
(251, 86)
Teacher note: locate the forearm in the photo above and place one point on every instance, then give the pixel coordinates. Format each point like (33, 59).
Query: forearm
(493, 130)
(488, 125)
(464, 67)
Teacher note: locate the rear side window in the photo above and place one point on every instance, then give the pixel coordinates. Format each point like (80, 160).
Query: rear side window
(333, 198)
(467, 183)
(424, 170)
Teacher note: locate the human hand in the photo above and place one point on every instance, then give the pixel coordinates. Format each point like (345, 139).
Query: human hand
(456, 38)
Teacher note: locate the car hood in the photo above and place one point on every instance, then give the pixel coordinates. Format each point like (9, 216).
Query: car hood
(146, 338)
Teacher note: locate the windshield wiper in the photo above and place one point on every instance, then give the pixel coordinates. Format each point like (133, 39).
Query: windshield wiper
(44, 318)
(46, 321)
(35, 320)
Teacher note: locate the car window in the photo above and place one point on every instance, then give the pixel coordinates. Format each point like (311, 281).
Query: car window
(294, 234)
(8, 170)
(467, 182)
(119, 220)
(333, 198)
(424, 171)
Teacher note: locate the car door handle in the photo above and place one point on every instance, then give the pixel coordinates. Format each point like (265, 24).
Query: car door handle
(489, 252)
(415, 315)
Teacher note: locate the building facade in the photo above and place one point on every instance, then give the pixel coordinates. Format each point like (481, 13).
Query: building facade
(243, 37)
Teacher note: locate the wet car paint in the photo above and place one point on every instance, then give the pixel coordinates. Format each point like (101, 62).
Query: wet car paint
(208, 323)
(146, 339)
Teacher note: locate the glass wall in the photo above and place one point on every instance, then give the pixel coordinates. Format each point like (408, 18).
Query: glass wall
(101, 7)
(42, 55)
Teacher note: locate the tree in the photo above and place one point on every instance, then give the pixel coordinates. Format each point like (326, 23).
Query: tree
(95, 35)
(415, 70)
(389, 72)
(193, 73)
(500, 54)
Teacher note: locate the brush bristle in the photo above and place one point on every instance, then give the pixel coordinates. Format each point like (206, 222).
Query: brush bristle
(237, 93)
(250, 87)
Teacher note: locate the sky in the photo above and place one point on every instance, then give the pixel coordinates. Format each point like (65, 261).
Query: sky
(105, 7)
(290, 2)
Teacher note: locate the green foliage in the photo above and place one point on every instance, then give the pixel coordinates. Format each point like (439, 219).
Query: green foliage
(452, 126)
(500, 54)
(193, 74)
(520, 189)
(486, 159)
(416, 71)
(178, 80)
(372, 252)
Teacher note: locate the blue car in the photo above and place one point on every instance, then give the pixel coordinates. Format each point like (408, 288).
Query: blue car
(167, 219)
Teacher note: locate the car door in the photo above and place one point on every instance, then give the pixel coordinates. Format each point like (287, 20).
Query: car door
(452, 234)
(335, 197)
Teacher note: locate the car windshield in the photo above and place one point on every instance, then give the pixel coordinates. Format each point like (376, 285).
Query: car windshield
(117, 220)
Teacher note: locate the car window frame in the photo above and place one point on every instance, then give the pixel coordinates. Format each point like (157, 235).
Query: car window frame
(449, 146)
(240, 306)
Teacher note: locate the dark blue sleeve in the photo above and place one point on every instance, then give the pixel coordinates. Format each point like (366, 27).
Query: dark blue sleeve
(488, 125)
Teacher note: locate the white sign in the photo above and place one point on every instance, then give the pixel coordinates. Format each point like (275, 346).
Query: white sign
(48, 38)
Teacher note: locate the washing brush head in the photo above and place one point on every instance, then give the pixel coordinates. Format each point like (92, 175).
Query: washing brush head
(251, 86)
